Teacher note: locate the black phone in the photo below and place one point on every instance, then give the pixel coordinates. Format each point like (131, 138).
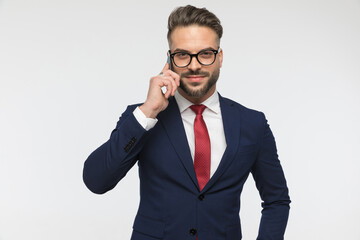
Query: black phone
(169, 62)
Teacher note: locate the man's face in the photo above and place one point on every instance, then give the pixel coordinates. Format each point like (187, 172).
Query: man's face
(197, 82)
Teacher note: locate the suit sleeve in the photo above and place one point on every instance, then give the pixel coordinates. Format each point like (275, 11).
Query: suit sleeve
(109, 163)
(271, 183)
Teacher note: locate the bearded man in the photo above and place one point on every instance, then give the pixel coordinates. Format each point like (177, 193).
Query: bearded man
(194, 148)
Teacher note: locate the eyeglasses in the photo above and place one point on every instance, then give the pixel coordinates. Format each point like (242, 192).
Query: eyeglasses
(183, 59)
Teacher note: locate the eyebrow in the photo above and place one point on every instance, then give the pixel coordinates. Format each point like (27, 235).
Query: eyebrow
(183, 50)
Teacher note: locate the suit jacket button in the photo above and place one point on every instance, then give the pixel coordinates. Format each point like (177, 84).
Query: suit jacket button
(201, 197)
(193, 231)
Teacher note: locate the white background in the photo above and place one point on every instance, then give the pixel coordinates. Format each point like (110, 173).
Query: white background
(68, 69)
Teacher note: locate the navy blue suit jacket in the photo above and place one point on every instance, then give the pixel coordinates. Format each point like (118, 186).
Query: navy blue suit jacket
(171, 205)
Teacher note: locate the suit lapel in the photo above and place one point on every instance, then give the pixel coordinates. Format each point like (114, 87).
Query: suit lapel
(171, 119)
(231, 121)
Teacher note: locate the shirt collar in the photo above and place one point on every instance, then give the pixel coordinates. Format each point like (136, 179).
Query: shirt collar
(212, 103)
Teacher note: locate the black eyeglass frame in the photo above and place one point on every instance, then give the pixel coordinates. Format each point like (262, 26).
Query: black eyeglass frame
(193, 55)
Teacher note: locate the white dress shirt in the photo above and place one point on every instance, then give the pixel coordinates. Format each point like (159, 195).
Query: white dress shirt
(213, 120)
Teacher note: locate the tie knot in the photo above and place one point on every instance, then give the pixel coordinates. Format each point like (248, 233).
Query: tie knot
(198, 109)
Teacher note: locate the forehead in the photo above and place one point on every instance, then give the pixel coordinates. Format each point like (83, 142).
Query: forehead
(193, 38)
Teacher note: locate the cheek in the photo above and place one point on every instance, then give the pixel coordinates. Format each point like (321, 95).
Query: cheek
(215, 68)
(176, 69)
(179, 71)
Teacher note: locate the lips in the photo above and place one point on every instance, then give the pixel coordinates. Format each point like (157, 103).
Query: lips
(195, 78)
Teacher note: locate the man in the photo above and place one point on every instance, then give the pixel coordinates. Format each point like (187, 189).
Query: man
(194, 148)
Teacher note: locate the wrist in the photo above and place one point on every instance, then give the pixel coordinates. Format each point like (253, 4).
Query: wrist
(149, 112)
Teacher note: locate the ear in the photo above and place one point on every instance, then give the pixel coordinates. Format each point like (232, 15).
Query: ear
(220, 56)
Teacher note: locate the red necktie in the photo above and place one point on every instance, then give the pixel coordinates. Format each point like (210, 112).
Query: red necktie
(202, 147)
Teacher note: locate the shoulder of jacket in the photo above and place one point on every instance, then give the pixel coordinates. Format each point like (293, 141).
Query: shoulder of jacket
(243, 109)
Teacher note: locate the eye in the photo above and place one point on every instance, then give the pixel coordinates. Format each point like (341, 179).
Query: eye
(182, 55)
(206, 54)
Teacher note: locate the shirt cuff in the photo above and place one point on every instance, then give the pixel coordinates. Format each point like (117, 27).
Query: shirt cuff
(146, 123)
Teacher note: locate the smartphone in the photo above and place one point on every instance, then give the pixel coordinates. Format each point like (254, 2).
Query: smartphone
(169, 61)
(163, 89)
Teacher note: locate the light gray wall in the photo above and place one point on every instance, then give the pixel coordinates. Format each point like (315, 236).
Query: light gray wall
(68, 69)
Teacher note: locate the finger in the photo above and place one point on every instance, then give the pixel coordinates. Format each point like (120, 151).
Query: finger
(174, 87)
(175, 76)
(172, 74)
(165, 68)
(169, 86)
(174, 84)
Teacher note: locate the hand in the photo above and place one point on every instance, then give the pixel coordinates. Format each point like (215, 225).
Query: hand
(156, 100)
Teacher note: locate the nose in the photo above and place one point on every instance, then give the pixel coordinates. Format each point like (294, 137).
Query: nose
(194, 64)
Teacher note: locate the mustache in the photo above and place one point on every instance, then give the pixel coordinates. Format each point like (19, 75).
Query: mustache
(195, 73)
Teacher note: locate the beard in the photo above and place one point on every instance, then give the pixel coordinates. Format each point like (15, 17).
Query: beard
(203, 91)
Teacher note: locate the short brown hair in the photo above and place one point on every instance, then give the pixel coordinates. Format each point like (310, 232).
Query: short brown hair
(190, 15)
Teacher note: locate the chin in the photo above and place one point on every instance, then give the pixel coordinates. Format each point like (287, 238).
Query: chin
(195, 92)
(199, 89)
